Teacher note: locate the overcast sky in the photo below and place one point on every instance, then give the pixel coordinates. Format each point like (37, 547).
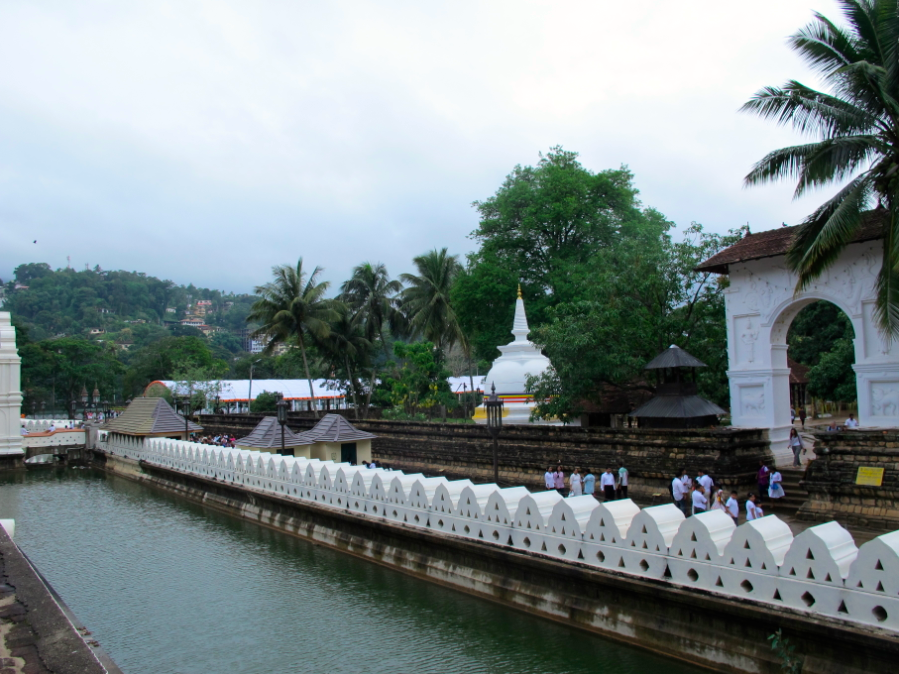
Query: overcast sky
(205, 141)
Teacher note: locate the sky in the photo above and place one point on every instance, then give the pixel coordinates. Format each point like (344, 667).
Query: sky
(205, 141)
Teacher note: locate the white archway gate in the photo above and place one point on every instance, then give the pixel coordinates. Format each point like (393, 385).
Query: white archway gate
(761, 304)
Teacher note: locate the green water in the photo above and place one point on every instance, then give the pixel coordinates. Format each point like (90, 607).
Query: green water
(170, 586)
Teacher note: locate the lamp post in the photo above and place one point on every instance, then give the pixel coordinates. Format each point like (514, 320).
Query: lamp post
(184, 399)
(282, 419)
(250, 392)
(494, 424)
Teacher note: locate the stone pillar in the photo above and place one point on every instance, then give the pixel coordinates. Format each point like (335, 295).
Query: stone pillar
(10, 390)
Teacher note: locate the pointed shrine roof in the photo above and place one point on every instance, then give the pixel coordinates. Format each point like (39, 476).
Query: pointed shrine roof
(677, 407)
(673, 356)
(335, 428)
(267, 435)
(148, 416)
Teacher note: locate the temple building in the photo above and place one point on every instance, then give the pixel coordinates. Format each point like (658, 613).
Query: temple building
(147, 418)
(510, 371)
(676, 403)
(336, 439)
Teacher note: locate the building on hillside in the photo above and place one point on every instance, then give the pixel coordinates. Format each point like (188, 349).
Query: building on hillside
(97, 331)
(203, 307)
(266, 437)
(124, 345)
(147, 418)
(520, 359)
(336, 439)
(194, 321)
(676, 403)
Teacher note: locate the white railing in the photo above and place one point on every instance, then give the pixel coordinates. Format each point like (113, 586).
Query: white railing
(43, 425)
(820, 571)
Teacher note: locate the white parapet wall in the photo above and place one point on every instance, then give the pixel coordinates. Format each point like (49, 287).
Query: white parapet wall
(819, 572)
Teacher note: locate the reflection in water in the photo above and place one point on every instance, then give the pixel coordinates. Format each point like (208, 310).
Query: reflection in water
(170, 586)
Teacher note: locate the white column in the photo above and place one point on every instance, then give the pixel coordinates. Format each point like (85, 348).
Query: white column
(10, 389)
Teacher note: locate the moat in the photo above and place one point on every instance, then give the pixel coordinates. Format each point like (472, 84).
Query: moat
(167, 585)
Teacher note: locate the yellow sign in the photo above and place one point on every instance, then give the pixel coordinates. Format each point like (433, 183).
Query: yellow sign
(869, 477)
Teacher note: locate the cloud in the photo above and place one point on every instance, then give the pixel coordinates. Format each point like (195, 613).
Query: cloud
(207, 141)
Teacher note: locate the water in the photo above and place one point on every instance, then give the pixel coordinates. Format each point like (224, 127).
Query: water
(170, 586)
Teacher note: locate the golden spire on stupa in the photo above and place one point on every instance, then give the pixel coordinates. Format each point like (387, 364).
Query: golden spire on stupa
(519, 291)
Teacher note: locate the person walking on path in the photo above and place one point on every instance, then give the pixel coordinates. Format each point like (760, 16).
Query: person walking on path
(733, 507)
(762, 478)
(623, 475)
(802, 416)
(775, 486)
(548, 478)
(559, 480)
(795, 446)
(589, 484)
(679, 492)
(607, 481)
(575, 484)
(700, 502)
(753, 511)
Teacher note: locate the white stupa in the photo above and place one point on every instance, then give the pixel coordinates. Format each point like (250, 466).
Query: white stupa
(519, 359)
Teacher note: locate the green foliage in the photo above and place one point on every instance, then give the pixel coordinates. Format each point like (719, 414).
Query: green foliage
(639, 297)
(166, 357)
(265, 402)
(790, 663)
(821, 337)
(482, 296)
(419, 384)
(857, 141)
(55, 371)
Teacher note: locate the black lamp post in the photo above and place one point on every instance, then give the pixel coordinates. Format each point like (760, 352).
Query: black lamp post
(184, 399)
(494, 424)
(282, 419)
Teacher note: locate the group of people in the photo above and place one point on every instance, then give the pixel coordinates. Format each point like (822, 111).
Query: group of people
(701, 495)
(52, 428)
(221, 440)
(612, 485)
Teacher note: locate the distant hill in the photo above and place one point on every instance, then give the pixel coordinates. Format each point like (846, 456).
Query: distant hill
(65, 301)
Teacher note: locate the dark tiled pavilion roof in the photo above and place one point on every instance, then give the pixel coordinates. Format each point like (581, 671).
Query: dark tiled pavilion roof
(674, 356)
(267, 435)
(334, 428)
(677, 407)
(777, 241)
(148, 416)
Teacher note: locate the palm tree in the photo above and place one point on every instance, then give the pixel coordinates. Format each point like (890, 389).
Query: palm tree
(371, 295)
(426, 298)
(346, 345)
(293, 308)
(857, 141)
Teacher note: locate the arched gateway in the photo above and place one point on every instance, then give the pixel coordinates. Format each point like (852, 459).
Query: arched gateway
(761, 303)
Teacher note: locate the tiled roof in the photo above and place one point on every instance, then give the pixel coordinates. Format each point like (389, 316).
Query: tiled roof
(148, 416)
(677, 407)
(334, 428)
(777, 241)
(674, 356)
(267, 435)
(798, 372)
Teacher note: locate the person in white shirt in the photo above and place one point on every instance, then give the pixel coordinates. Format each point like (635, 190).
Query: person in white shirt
(733, 507)
(52, 428)
(548, 479)
(678, 491)
(700, 502)
(753, 512)
(851, 422)
(607, 482)
(23, 431)
(775, 488)
(706, 482)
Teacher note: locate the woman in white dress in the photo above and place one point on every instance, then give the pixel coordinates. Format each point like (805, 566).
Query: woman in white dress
(718, 501)
(775, 488)
(576, 484)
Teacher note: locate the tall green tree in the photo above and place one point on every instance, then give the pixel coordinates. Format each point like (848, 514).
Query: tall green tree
(293, 309)
(426, 299)
(347, 351)
(855, 125)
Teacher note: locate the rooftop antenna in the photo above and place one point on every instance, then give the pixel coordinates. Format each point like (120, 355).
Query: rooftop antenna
(68, 261)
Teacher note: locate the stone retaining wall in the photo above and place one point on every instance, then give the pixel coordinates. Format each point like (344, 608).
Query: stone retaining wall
(653, 457)
(831, 478)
